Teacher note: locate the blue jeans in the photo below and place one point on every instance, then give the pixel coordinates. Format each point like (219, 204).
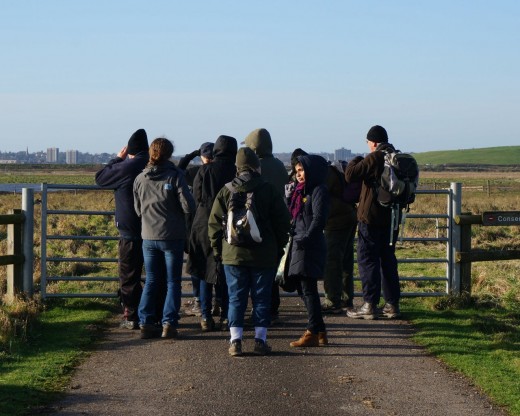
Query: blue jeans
(242, 280)
(195, 284)
(162, 261)
(206, 298)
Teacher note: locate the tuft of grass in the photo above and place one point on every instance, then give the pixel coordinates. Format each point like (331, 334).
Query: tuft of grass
(475, 336)
(37, 371)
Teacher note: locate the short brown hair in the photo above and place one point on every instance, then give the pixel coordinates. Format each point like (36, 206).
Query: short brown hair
(161, 149)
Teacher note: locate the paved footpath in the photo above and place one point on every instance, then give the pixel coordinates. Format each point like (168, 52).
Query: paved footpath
(370, 368)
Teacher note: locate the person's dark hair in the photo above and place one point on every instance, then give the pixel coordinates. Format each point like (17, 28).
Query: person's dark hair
(161, 149)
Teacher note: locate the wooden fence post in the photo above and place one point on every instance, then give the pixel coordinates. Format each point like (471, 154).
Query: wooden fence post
(14, 248)
(465, 266)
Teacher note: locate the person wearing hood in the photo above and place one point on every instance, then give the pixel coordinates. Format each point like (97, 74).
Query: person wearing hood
(309, 209)
(376, 257)
(162, 199)
(207, 183)
(250, 269)
(119, 174)
(274, 172)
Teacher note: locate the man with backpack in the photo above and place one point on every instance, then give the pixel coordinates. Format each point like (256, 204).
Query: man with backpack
(249, 239)
(376, 237)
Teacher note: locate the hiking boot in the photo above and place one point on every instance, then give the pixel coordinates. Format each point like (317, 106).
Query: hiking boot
(308, 339)
(329, 308)
(390, 311)
(125, 324)
(193, 308)
(207, 325)
(261, 347)
(150, 331)
(168, 331)
(367, 311)
(322, 338)
(235, 349)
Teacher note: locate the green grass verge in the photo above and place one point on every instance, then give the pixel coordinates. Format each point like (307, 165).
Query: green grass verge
(481, 341)
(36, 372)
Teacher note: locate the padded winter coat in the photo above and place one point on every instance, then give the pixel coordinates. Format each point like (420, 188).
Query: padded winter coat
(307, 251)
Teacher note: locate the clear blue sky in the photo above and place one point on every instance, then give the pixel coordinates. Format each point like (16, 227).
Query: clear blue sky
(317, 74)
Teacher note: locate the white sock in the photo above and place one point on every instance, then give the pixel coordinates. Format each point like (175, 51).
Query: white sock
(236, 333)
(261, 333)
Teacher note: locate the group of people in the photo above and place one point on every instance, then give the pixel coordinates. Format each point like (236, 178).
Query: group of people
(165, 210)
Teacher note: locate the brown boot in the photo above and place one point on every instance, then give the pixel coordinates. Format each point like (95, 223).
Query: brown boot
(308, 339)
(322, 337)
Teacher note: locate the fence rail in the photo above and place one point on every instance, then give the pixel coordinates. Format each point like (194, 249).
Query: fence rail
(445, 258)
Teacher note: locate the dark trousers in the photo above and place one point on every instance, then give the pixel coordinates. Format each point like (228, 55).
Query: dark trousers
(130, 267)
(338, 280)
(311, 298)
(377, 264)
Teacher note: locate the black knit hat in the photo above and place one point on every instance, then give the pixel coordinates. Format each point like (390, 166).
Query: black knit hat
(377, 134)
(138, 142)
(246, 160)
(206, 150)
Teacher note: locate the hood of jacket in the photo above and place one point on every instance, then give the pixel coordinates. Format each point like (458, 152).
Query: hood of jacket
(315, 168)
(160, 172)
(246, 181)
(260, 142)
(225, 148)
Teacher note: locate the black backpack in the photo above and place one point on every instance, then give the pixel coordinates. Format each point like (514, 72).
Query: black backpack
(240, 223)
(399, 180)
(397, 186)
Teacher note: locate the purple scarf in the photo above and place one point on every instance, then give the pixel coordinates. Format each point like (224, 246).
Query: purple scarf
(296, 205)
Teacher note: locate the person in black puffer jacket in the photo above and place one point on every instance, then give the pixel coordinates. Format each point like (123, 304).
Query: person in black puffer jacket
(309, 208)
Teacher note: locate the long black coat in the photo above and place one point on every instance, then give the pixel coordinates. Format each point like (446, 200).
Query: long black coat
(307, 251)
(207, 183)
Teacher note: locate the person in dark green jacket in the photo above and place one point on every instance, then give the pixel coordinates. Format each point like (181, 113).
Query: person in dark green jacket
(250, 269)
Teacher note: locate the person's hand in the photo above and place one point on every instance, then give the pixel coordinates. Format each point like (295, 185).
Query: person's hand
(289, 189)
(194, 154)
(301, 242)
(123, 153)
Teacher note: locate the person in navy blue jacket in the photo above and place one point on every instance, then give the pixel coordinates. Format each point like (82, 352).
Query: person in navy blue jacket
(119, 174)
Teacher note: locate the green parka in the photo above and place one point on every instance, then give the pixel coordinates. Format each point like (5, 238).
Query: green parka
(273, 221)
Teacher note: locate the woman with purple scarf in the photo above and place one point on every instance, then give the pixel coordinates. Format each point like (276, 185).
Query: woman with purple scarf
(309, 208)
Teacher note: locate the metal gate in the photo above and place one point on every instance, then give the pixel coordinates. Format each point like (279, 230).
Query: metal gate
(446, 232)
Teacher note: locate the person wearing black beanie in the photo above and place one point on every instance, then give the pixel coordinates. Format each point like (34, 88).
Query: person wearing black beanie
(119, 174)
(376, 259)
(137, 143)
